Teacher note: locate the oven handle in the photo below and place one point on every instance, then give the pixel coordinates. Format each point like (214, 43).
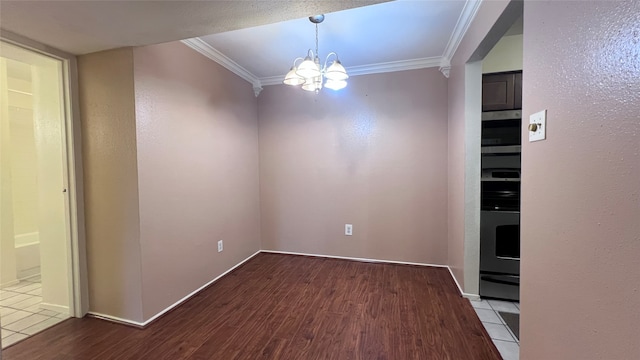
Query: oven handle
(498, 280)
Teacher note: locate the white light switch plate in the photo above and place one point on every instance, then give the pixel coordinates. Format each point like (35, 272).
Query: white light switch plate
(540, 119)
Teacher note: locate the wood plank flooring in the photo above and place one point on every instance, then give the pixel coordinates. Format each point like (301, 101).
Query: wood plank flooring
(291, 307)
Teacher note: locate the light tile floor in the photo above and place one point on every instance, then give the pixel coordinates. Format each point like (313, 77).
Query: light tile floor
(503, 338)
(20, 312)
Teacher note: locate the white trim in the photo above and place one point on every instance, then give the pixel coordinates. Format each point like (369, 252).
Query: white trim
(472, 174)
(74, 182)
(20, 92)
(30, 239)
(28, 273)
(184, 299)
(463, 294)
(115, 319)
(472, 297)
(170, 307)
(54, 307)
(272, 80)
(445, 69)
(10, 283)
(467, 15)
(464, 21)
(209, 51)
(392, 66)
(378, 68)
(29, 277)
(353, 258)
(456, 280)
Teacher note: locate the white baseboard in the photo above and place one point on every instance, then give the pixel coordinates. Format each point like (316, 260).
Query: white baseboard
(28, 273)
(9, 283)
(177, 303)
(456, 281)
(115, 319)
(54, 307)
(462, 293)
(353, 258)
(30, 276)
(32, 238)
(472, 297)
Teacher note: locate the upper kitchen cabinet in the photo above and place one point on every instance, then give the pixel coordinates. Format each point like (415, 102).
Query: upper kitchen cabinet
(502, 91)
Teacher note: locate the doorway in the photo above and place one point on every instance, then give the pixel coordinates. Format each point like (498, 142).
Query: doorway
(494, 80)
(36, 277)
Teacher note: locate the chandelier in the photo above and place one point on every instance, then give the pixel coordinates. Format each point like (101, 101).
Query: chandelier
(310, 75)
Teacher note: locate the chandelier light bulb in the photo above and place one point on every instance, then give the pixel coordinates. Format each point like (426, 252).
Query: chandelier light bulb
(293, 78)
(308, 68)
(335, 84)
(336, 71)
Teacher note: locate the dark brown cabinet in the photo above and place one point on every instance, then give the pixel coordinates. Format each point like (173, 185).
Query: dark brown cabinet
(502, 91)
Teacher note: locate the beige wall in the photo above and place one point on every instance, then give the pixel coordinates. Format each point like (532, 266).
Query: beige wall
(373, 155)
(197, 150)
(581, 186)
(458, 136)
(506, 55)
(171, 167)
(107, 106)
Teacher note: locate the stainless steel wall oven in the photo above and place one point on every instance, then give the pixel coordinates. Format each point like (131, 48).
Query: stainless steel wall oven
(500, 206)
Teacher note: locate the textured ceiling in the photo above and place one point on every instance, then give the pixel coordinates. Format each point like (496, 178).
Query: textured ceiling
(81, 27)
(388, 32)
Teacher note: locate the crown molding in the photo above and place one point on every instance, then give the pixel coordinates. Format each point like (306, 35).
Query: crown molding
(372, 68)
(272, 80)
(443, 62)
(392, 66)
(209, 51)
(464, 21)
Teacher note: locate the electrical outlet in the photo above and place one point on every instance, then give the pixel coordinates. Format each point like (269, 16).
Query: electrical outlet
(348, 229)
(220, 246)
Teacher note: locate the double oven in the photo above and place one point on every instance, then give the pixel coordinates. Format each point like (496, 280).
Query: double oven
(500, 205)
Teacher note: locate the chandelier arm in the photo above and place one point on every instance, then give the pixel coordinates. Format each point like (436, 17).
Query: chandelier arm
(326, 60)
(296, 59)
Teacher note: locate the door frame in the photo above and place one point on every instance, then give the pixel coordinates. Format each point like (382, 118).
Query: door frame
(76, 249)
(473, 129)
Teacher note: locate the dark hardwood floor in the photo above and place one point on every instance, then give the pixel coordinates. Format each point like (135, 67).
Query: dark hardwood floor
(291, 307)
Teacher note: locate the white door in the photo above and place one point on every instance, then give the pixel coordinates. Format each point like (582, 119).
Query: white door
(36, 249)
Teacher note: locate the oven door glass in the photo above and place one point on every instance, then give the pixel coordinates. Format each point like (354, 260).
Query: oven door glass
(508, 241)
(501, 133)
(500, 242)
(500, 195)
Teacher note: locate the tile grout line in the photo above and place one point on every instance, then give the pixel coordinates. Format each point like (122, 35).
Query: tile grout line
(34, 324)
(514, 339)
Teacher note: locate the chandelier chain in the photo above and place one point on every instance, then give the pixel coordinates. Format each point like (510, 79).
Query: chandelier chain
(317, 54)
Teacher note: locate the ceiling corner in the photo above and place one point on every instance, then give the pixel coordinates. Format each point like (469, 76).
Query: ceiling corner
(464, 21)
(210, 52)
